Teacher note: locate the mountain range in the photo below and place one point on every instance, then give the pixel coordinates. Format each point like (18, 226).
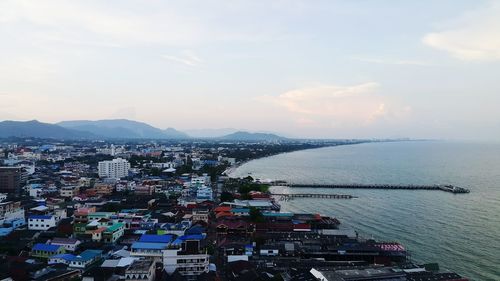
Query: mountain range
(118, 129)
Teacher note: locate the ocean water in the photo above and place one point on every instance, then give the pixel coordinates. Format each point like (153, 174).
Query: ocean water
(459, 231)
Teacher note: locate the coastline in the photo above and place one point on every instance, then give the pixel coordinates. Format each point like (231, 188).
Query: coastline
(234, 167)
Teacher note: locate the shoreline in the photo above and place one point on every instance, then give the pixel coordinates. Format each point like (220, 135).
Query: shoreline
(233, 168)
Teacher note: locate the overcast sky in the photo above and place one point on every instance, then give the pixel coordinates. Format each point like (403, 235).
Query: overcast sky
(352, 68)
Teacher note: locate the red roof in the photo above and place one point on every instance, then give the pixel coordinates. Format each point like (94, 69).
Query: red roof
(223, 209)
(233, 224)
(224, 214)
(302, 226)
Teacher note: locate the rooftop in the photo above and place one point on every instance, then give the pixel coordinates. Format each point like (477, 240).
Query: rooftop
(114, 227)
(46, 247)
(67, 257)
(88, 255)
(58, 240)
(39, 217)
(149, 246)
(152, 238)
(140, 266)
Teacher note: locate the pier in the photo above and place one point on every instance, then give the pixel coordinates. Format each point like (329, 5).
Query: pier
(446, 188)
(288, 196)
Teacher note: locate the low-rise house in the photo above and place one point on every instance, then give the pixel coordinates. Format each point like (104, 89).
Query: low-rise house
(95, 216)
(240, 211)
(41, 222)
(234, 227)
(61, 258)
(69, 244)
(200, 215)
(174, 228)
(113, 233)
(45, 251)
(86, 259)
(81, 219)
(144, 190)
(204, 193)
(103, 189)
(10, 225)
(69, 191)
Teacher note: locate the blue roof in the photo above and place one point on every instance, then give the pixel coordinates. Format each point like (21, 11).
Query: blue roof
(68, 257)
(240, 210)
(272, 214)
(183, 238)
(88, 255)
(197, 229)
(152, 238)
(46, 247)
(40, 217)
(149, 246)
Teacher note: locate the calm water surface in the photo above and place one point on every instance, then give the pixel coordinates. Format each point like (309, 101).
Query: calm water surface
(460, 232)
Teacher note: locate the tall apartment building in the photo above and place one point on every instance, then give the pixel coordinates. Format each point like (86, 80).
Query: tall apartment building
(116, 168)
(11, 179)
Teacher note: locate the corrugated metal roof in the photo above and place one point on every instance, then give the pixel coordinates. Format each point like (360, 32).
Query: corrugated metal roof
(88, 255)
(46, 247)
(40, 217)
(152, 238)
(149, 246)
(68, 257)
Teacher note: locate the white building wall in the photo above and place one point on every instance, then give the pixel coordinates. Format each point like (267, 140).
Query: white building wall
(41, 224)
(187, 265)
(116, 168)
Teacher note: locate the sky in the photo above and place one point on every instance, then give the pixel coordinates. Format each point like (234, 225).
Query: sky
(322, 69)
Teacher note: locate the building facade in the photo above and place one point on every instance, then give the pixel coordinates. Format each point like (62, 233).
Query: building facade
(11, 179)
(116, 168)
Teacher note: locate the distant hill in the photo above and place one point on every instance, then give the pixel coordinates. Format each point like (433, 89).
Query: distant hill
(210, 133)
(246, 136)
(118, 129)
(175, 134)
(123, 128)
(36, 129)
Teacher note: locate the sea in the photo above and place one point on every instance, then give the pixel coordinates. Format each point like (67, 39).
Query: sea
(460, 232)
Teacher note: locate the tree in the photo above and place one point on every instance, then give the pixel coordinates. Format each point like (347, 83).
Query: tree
(256, 215)
(226, 197)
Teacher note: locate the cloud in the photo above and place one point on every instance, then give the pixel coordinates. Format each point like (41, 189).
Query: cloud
(472, 37)
(333, 106)
(100, 24)
(393, 61)
(187, 57)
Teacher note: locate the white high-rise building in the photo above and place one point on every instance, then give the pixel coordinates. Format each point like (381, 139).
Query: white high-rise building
(116, 168)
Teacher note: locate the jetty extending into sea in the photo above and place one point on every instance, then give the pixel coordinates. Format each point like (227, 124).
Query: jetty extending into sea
(442, 187)
(288, 196)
